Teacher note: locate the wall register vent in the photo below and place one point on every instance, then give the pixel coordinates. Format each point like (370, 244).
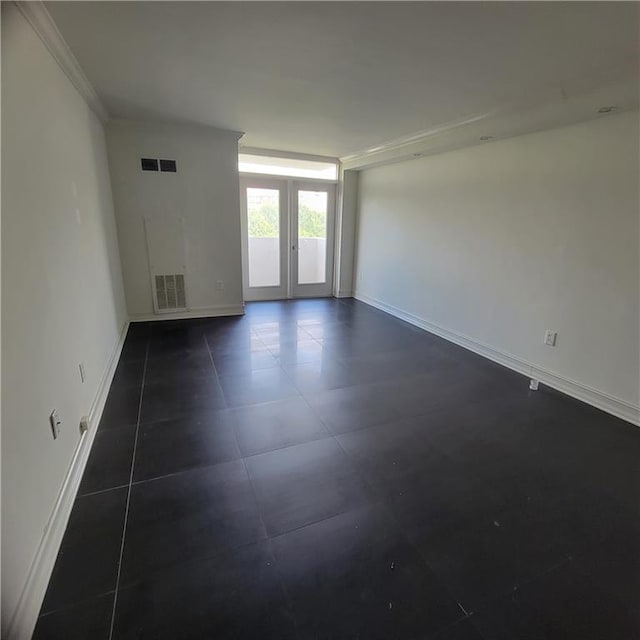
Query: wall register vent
(170, 294)
(152, 164)
(166, 247)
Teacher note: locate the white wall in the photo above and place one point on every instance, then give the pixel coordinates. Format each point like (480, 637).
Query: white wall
(346, 234)
(204, 191)
(500, 242)
(62, 294)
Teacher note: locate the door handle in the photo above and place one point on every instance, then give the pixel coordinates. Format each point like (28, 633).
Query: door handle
(293, 247)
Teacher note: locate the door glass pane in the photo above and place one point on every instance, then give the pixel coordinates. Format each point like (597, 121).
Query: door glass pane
(312, 236)
(263, 222)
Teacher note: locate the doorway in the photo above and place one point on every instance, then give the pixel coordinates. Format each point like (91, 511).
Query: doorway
(288, 238)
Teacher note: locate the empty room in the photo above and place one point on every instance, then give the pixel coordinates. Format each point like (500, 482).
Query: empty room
(320, 320)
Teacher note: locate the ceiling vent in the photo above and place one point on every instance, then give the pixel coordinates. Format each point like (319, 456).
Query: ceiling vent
(169, 292)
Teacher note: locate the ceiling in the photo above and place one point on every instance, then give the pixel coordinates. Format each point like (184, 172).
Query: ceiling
(338, 78)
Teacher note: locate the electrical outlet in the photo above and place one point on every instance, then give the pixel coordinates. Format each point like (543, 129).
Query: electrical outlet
(550, 337)
(83, 373)
(55, 422)
(219, 285)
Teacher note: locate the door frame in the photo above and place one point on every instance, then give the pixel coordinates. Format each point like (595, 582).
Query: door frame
(288, 287)
(280, 291)
(322, 289)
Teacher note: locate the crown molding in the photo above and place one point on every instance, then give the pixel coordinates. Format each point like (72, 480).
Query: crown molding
(406, 141)
(44, 26)
(175, 125)
(511, 120)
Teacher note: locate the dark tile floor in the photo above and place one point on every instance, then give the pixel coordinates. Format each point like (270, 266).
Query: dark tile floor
(320, 470)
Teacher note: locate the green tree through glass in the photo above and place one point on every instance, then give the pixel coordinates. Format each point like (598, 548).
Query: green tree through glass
(263, 222)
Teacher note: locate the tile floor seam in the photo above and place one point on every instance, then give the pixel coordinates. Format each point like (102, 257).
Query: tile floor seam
(382, 502)
(76, 603)
(281, 583)
(209, 466)
(93, 493)
(128, 502)
(195, 468)
(317, 414)
(290, 379)
(235, 436)
(286, 446)
(369, 503)
(543, 574)
(170, 566)
(335, 438)
(268, 538)
(494, 601)
(215, 371)
(285, 592)
(437, 635)
(365, 427)
(516, 588)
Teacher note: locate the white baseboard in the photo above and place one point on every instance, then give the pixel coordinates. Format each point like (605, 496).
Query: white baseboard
(199, 312)
(25, 616)
(344, 293)
(599, 399)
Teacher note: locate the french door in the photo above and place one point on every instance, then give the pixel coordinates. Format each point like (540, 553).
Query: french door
(287, 233)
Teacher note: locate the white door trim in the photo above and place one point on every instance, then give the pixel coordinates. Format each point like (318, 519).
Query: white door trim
(288, 287)
(324, 289)
(268, 292)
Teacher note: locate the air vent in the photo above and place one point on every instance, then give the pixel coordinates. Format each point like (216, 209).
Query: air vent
(170, 295)
(168, 165)
(149, 164)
